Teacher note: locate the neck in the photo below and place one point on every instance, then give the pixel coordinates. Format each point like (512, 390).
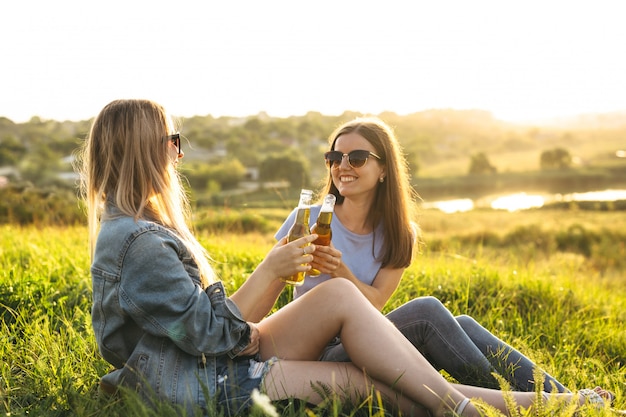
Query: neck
(353, 215)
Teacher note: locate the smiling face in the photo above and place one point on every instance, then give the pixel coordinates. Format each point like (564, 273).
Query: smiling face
(353, 183)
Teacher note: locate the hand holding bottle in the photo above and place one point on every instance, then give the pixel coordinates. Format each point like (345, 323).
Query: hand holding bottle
(322, 226)
(286, 259)
(326, 260)
(299, 229)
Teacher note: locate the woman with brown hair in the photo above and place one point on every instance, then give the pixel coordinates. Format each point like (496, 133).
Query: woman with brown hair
(374, 235)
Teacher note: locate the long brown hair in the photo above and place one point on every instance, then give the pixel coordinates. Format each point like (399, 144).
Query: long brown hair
(126, 162)
(395, 201)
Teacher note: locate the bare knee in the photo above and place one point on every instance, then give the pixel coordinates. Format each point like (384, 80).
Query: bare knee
(339, 294)
(337, 287)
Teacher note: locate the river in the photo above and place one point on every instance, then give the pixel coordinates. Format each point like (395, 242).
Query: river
(521, 201)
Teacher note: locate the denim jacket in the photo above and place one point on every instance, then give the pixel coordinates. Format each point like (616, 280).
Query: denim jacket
(152, 320)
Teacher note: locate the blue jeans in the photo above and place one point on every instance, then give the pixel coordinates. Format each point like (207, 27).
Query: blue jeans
(460, 346)
(236, 378)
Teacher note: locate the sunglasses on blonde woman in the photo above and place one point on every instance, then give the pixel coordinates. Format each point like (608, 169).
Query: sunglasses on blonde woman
(356, 159)
(175, 139)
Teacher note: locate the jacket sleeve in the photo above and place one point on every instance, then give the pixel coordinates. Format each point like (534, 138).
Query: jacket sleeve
(158, 293)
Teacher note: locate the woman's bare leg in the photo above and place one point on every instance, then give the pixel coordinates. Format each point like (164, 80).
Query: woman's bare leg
(297, 379)
(300, 330)
(496, 398)
(292, 379)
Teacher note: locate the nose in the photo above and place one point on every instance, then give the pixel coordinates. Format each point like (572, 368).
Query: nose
(181, 154)
(344, 160)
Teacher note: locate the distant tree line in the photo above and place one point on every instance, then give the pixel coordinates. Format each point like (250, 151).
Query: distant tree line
(551, 159)
(224, 154)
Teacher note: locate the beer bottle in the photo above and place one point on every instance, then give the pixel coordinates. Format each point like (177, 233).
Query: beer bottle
(299, 229)
(322, 226)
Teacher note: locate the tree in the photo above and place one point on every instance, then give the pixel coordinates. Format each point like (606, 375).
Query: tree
(479, 164)
(290, 166)
(11, 150)
(203, 177)
(557, 158)
(40, 165)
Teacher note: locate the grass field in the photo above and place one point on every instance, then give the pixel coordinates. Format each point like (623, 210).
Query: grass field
(551, 283)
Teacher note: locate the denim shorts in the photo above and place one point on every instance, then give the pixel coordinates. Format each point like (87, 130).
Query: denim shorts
(236, 379)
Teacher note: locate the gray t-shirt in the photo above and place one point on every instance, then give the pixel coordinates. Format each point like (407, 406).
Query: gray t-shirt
(359, 252)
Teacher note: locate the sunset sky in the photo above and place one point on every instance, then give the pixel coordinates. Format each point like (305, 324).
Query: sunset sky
(521, 60)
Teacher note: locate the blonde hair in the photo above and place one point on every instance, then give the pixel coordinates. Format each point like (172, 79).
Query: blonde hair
(395, 203)
(125, 161)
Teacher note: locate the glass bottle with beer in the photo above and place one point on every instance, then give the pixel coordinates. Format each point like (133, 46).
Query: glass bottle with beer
(322, 226)
(300, 228)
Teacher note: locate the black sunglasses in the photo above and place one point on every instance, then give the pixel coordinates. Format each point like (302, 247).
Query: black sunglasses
(175, 139)
(356, 159)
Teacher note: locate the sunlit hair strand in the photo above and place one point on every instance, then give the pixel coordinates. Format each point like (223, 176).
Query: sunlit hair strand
(126, 162)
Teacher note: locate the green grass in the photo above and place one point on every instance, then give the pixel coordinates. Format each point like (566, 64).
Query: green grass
(558, 295)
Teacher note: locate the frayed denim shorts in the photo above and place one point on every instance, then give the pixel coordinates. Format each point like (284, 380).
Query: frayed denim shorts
(236, 379)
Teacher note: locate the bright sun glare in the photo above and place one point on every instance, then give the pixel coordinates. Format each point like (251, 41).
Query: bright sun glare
(519, 60)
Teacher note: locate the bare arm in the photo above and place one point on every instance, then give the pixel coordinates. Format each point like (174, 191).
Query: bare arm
(258, 294)
(328, 260)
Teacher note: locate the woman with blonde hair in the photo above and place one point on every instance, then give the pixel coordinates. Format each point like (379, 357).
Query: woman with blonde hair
(162, 318)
